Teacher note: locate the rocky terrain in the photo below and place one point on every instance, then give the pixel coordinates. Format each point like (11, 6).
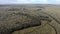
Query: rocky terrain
(29, 19)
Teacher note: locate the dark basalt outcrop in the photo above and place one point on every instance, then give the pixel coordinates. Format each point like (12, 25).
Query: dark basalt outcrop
(9, 26)
(13, 21)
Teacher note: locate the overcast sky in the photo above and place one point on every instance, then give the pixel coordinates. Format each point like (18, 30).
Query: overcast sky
(29, 1)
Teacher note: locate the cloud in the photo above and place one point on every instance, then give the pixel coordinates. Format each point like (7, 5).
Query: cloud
(29, 1)
(7, 1)
(58, 0)
(45, 0)
(23, 1)
(32, 1)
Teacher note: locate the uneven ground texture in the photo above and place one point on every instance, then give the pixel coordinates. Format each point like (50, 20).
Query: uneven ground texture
(29, 19)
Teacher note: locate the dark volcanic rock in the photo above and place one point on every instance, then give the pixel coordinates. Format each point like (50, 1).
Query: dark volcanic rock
(16, 22)
(13, 21)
